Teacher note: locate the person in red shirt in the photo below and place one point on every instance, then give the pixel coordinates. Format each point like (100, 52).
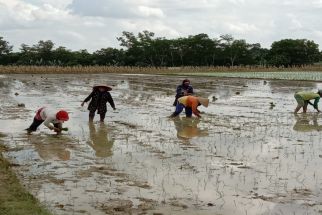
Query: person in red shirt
(190, 103)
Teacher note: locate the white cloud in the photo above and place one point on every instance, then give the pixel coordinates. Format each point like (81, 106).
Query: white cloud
(83, 24)
(149, 11)
(242, 27)
(18, 10)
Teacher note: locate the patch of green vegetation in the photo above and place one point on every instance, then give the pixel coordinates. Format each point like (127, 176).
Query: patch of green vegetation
(305, 75)
(14, 199)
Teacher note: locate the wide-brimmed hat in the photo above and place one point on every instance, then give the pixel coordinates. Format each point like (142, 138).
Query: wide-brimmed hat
(104, 86)
(203, 101)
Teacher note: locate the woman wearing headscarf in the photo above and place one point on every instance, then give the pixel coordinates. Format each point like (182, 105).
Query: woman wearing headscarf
(184, 89)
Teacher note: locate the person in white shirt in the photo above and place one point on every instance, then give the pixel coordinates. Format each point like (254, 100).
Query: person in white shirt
(51, 119)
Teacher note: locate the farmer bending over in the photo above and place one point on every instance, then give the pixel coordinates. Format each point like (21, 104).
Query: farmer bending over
(51, 119)
(190, 103)
(99, 97)
(303, 99)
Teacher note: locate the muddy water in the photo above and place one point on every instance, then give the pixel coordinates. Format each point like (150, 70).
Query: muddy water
(248, 154)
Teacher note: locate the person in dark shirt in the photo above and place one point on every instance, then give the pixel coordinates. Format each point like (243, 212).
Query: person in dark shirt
(184, 89)
(99, 97)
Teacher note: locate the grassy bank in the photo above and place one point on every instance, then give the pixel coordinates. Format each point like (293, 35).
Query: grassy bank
(14, 199)
(147, 70)
(280, 75)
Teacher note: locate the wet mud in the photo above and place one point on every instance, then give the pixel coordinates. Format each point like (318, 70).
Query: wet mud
(248, 154)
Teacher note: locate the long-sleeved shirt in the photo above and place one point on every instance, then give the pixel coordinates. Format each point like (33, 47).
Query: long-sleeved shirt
(191, 102)
(182, 89)
(49, 116)
(99, 100)
(309, 96)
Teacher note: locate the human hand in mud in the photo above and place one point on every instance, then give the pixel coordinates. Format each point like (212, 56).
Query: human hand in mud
(82, 104)
(114, 108)
(58, 130)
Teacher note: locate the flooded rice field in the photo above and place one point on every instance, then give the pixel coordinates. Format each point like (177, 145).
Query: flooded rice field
(248, 154)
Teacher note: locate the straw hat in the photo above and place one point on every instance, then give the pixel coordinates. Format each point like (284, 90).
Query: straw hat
(203, 101)
(103, 85)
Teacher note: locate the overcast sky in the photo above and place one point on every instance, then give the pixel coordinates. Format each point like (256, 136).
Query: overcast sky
(95, 24)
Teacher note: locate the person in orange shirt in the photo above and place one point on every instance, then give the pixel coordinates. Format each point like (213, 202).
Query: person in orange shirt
(190, 103)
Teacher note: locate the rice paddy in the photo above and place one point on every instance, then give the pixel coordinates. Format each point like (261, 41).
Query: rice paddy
(248, 154)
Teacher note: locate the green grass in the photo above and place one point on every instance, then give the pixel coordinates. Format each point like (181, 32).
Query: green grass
(14, 198)
(304, 75)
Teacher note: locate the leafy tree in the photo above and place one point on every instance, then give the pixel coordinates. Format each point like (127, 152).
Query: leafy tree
(144, 49)
(258, 55)
(146, 43)
(290, 52)
(5, 51)
(199, 50)
(134, 50)
(234, 50)
(82, 58)
(313, 54)
(108, 56)
(216, 52)
(44, 50)
(27, 55)
(161, 52)
(62, 56)
(5, 48)
(182, 49)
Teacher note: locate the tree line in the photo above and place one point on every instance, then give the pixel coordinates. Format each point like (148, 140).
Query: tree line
(146, 50)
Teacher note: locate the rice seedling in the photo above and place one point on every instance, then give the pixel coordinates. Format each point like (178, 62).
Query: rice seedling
(249, 71)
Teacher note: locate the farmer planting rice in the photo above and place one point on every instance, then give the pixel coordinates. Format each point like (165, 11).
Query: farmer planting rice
(190, 103)
(51, 119)
(303, 99)
(99, 97)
